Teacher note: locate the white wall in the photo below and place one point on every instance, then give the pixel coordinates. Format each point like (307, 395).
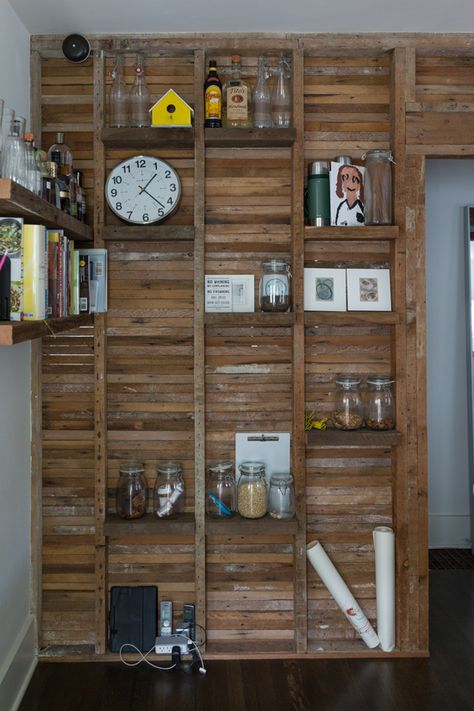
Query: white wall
(16, 624)
(449, 187)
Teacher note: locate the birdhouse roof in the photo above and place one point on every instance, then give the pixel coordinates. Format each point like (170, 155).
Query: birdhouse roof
(176, 96)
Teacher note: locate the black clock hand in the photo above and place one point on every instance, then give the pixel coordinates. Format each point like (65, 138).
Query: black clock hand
(153, 198)
(143, 190)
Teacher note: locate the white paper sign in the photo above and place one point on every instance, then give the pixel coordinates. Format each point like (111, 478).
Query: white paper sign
(229, 292)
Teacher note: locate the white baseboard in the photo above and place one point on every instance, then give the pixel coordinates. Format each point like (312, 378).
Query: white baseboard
(18, 668)
(449, 531)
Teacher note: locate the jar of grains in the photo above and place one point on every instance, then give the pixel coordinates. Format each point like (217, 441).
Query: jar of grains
(348, 409)
(169, 490)
(220, 492)
(379, 409)
(252, 490)
(378, 188)
(131, 491)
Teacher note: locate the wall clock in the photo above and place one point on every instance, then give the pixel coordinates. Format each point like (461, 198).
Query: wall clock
(143, 189)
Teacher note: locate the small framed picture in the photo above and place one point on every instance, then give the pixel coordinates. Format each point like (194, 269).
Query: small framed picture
(368, 290)
(324, 289)
(229, 292)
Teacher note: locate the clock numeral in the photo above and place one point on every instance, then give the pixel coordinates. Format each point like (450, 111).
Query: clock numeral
(113, 192)
(161, 212)
(145, 217)
(140, 163)
(126, 169)
(169, 201)
(118, 205)
(117, 179)
(130, 213)
(173, 187)
(168, 174)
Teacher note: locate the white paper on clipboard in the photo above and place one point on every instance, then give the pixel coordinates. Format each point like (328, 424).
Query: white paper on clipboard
(272, 448)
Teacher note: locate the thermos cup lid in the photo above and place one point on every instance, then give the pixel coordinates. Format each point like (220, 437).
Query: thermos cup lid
(318, 167)
(345, 160)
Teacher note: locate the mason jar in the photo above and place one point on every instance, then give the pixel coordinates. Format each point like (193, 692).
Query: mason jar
(220, 494)
(169, 490)
(379, 405)
(348, 409)
(281, 496)
(275, 291)
(378, 188)
(131, 491)
(252, 490)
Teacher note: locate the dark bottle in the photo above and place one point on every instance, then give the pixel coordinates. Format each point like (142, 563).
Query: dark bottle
(213, 98)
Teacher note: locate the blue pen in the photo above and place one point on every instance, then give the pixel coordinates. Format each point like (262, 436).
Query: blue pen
(222, 507)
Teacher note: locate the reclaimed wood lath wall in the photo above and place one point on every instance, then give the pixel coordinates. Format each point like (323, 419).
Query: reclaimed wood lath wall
(156, 378)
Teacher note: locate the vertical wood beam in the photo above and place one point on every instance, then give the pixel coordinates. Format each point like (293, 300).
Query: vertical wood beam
(298, 372)
(199, 344)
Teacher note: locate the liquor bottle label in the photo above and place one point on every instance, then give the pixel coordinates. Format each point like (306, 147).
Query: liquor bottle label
(213, 101)
(237, 103)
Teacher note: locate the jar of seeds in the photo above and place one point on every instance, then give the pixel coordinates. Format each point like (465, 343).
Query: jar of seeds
(348, 410)
(379, 410)
(252, 490)
(131, 491)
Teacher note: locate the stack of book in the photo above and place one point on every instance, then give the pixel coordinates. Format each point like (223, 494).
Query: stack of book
(43, 274)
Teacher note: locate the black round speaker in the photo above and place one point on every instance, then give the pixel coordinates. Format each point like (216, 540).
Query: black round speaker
(76, 48)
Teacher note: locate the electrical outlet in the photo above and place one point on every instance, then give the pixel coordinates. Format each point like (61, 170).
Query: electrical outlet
(165, 644)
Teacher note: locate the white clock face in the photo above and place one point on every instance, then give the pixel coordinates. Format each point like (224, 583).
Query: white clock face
(143, 189)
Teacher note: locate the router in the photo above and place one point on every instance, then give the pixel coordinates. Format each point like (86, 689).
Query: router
(165, 644)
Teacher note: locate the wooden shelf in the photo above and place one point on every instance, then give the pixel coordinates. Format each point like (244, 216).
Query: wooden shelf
(247, 526)
(352, 438)
(144, 138)
(121, 233)
(351, 318)
(255, 318)
(368, 232)
(251, 137)
(17, 201)
(116, 527)
(12, 332)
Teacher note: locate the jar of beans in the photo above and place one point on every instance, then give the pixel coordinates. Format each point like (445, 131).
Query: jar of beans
(252, 490)
(348, 409)
(131, 492)
(379, 406)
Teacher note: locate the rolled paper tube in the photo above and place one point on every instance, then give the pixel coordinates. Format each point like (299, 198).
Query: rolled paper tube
(345, 600)
(384, 544)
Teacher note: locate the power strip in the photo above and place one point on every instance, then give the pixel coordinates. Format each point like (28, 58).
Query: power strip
(164, 645)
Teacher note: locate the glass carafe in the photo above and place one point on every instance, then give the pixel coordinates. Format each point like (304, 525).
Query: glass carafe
(131, 492)
(348, 409)
(220, 492)
(262, 99)
(281, 97)
(118, 97)
(169, 490)
(139, 97)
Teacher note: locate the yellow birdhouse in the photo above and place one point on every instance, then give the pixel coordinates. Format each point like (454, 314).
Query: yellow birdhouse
(171, 111)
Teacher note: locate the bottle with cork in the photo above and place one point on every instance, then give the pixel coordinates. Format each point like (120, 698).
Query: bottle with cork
(237, 109)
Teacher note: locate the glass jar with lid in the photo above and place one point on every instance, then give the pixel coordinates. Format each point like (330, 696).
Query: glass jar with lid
(281, 496)
(348, 408)
(220, 493)
(275, 288)
(252, 490)
(169, 490)
(379, 405)
(131, 492)
(378, 188)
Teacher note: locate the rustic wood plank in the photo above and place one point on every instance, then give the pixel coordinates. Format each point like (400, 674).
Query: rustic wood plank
(12, 332)
(353, 438)
(143, 138)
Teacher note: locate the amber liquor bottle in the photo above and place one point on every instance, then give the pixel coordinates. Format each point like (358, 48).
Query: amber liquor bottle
(213, 98)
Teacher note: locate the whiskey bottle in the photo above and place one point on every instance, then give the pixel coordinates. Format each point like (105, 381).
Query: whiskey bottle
(213, 98)
(237, 99)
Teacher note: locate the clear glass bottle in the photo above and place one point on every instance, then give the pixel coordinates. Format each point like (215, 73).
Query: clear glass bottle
(281, 496)
(379, 405)
(169, 490)
(61, 154)
(139, 97)
(220, 495)
(275, 286)
(118, 97)
(14, 154)
(378, 187)
(281, 97)
(262, 98)
(33, 176)
(131, 492)
(252, 490)
(348, 408)
(237, 99)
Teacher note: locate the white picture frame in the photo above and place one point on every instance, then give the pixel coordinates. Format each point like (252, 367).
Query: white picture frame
(324, 289)
(227, 293)
(368, 290)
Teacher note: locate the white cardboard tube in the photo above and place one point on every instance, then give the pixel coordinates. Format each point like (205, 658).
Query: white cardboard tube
(384, 544)
(345, 600)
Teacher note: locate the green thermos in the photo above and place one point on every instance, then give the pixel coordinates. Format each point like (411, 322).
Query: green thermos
(317, 204)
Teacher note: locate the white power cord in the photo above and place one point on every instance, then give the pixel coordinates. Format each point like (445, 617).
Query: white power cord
(143, 658)
(192, 643)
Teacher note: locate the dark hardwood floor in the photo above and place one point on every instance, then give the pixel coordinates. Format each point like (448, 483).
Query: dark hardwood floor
(445, 682)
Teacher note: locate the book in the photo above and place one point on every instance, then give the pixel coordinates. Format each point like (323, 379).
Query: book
(35, 265)
(97, 274)
(53, 295)
(11, 240)
(83, 283)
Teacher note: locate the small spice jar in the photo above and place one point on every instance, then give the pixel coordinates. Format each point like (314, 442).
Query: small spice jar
(281, 496)
(169, 490)
(378, 188)
(131, 491)
(379, 406)
(275, 286)
(348, 409)
(220, 494)
(252, 490)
